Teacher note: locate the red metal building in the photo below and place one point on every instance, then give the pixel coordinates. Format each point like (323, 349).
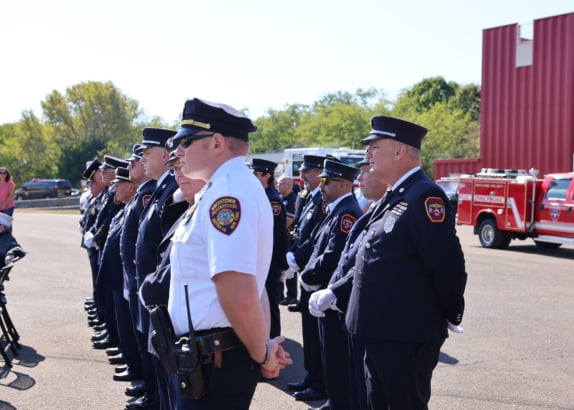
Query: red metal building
(527, 99)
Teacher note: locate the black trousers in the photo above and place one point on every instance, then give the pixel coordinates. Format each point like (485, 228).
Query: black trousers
(335, 358)
(230, 387)
(311, 344)
(399, 374)
(273, 286)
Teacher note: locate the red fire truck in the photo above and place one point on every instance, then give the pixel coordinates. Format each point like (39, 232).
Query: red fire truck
(502, 207)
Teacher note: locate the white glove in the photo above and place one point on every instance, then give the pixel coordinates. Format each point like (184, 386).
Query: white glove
(288, 274)
(292, 262)
(314, 308)
(454, 328)
(315, 312)
(309, 288)
(80, 228)
(8, 260)
(323, 299)
(89, 240)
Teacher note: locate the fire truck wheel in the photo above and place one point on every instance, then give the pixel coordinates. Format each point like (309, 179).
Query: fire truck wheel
(490, 236)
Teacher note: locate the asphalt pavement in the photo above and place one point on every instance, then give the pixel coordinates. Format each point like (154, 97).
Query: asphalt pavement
(516, 352)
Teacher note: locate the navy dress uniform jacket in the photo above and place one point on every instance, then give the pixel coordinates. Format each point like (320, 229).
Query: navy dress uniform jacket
(109, 207)
(409, 271)
(312, 214)
(133, 211)
(150, 232)
(329, 242)
(341, 281)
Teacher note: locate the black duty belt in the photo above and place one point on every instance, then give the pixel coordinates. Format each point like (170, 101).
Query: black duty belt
(211, 343)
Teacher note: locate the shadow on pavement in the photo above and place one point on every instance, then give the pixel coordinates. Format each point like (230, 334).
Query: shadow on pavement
(27, 357)
(447, 359)
(6, 406)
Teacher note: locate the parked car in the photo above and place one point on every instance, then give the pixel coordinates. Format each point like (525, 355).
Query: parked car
(450, 186)
(43, 188)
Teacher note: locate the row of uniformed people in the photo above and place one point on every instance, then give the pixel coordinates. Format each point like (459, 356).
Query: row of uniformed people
(141, 231)
(374, 322)
(144, 208)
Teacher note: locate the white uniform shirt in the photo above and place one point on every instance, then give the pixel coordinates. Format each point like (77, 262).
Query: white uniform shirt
(231, 230)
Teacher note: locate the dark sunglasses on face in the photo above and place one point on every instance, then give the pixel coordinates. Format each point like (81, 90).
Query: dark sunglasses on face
(186, 141)
(326, 180)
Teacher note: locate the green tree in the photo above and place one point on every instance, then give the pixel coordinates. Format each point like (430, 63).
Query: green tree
(27, 150)
(90, 119)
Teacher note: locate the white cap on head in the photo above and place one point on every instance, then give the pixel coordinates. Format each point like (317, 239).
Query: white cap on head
(6, 220)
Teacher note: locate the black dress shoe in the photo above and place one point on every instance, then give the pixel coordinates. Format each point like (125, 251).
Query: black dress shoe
(99, 335)
(288, 301)
(121, 368)
(136, 390)
(325, 406)
(294, 308)
(309, 395)
(96, 322)
(93, 316)
(144, 402)
(117, 359)
(300, 385)
(103, 344)
(113, 351)
(127, 376)
(100, 328)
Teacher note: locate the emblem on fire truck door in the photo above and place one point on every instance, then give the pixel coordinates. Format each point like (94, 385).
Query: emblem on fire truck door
(554, 212)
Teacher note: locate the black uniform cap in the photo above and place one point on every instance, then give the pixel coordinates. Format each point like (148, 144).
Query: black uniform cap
(201, 115)
(263, 165)
(397, 129)
(156, 137)
(336, 169)
(364, 161)
(137, 152)
(113, 162)
(122, 175)
(312, 161)
(90, 171)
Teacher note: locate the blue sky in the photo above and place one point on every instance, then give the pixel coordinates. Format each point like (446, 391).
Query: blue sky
(250, 54)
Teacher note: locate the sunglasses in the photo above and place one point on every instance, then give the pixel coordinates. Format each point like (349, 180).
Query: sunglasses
(186, 141)
(326, 180)
(3, 172)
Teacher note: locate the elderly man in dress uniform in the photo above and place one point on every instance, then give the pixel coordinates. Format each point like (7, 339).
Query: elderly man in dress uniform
(409, 272)
(220, 258)
(264, 171)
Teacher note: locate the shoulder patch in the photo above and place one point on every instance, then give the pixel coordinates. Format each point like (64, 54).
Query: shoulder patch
(225, 213)
(276, 207)
(145, 199)
(435, 209)
(347, 222)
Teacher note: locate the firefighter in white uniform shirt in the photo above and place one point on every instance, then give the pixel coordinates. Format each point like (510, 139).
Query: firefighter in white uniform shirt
(222, 251)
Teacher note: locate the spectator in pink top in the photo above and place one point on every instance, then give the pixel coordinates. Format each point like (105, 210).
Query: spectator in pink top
(7, 187)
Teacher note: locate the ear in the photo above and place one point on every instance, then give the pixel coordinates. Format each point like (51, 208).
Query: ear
(218, 141)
